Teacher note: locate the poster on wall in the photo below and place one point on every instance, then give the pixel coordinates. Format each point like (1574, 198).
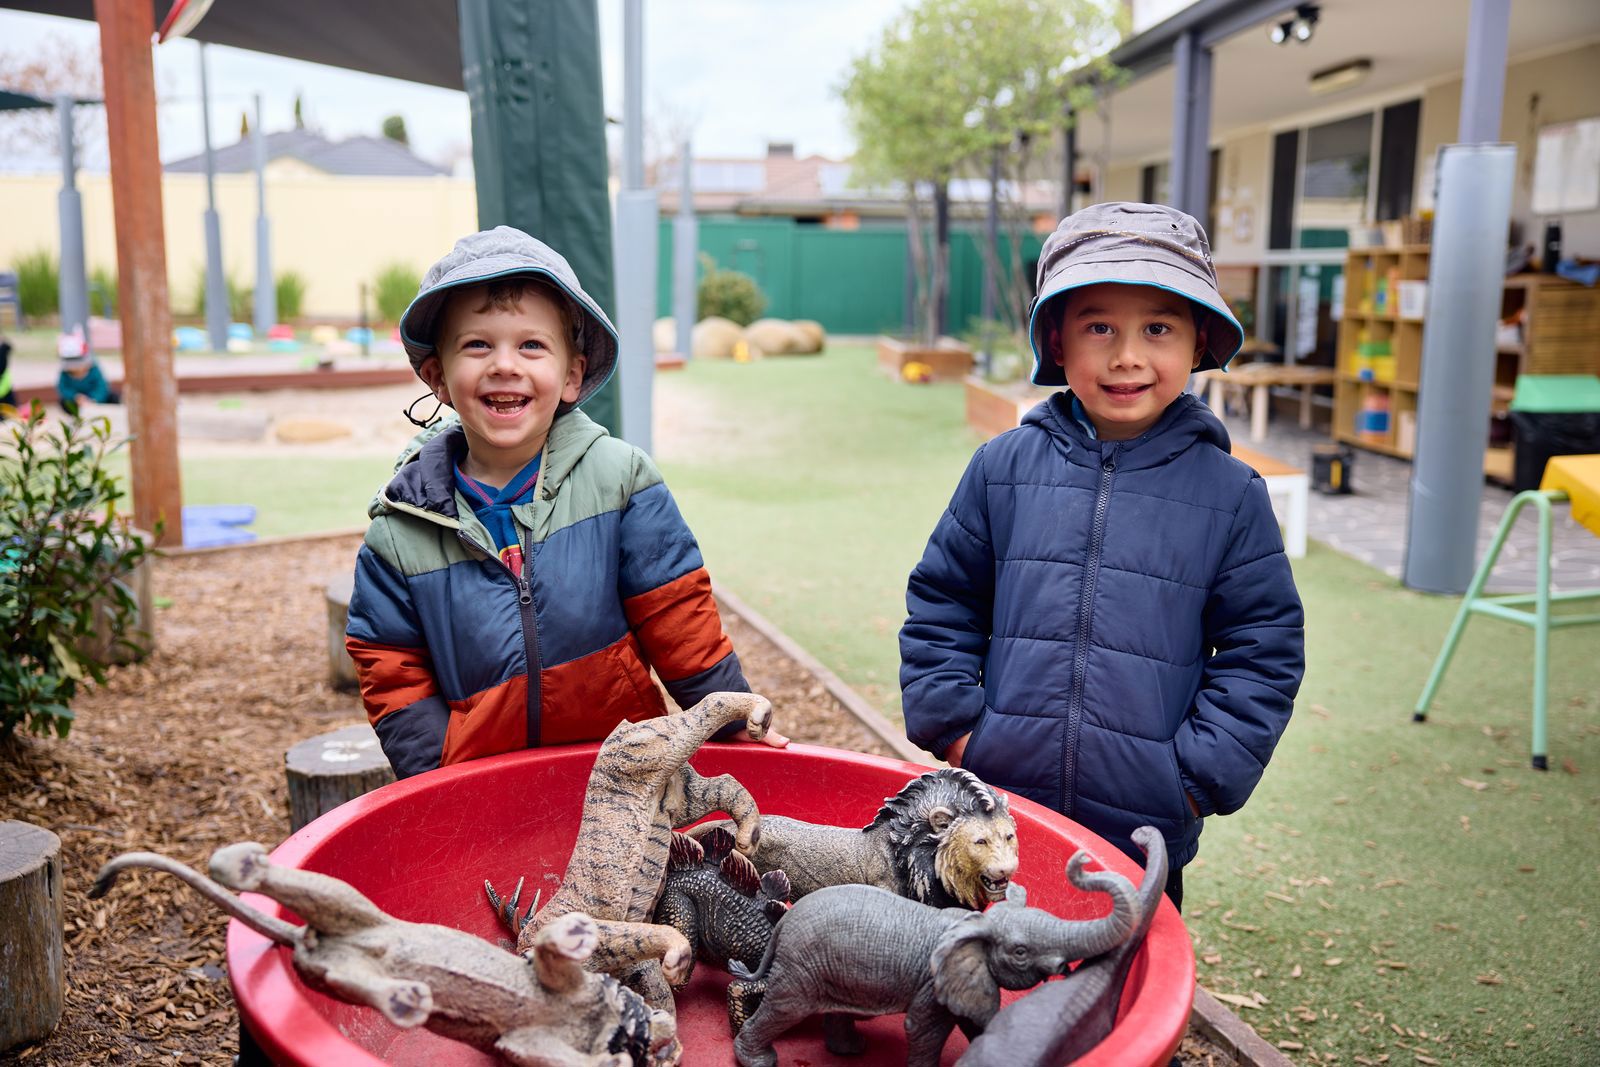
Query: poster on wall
(1566, 168)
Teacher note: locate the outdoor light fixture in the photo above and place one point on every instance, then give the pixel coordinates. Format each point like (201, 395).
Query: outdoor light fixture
(1299, 28)
(1343, 76)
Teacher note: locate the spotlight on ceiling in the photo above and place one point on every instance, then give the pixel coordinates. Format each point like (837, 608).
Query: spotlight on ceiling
(1305, 22)
(1280, 32)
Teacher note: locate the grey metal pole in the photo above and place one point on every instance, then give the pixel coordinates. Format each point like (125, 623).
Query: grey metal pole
(1198, 191)
(72, 283)
(991, 262)
(1483, 82)
(266, 306)
(1465, 277)
(1183, 50)
(636, 242)
(685, 255)
(217, 311)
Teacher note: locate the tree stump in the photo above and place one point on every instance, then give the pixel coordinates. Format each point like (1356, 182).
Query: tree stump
(31, 973)
(329, 769)
(341, 668)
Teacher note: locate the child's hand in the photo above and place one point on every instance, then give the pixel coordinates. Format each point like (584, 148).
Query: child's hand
(957, 749)
(771, 737)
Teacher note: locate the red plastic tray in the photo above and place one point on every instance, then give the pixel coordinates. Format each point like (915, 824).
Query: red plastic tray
(421, 848)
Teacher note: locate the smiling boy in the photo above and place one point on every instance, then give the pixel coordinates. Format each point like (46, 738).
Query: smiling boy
(1104, 620)
(524, 570)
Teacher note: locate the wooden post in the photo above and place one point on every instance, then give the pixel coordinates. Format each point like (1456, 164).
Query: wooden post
(341, 668)
(149, 387)
(31, 972)
(329, 769)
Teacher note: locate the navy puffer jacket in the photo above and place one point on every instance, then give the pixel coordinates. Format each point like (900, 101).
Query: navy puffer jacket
(1114, 622)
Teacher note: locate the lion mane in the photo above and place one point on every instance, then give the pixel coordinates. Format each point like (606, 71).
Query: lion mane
(943, 830)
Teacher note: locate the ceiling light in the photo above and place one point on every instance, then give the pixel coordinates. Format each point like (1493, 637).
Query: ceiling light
(1305, 22)
(1280, 32)
(1343, 76)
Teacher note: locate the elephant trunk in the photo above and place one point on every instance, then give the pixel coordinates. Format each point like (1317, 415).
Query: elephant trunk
(1095, 936)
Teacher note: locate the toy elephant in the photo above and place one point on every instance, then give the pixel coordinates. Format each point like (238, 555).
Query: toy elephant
(857, 950)
(1060, 1021)
(537, 1010)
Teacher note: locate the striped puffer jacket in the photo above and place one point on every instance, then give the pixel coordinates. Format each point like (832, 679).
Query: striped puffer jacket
(459, 658)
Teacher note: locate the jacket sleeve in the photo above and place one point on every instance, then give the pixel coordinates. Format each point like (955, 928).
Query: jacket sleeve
(398, 689)
(1256, 627)
(666, 595)
(949, 617)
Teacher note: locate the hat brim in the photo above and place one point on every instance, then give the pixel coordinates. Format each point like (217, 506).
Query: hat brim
(1222, 344)
(421, 318)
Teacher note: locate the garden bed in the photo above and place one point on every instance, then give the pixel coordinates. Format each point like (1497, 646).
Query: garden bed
(948, 360)
(183, 753)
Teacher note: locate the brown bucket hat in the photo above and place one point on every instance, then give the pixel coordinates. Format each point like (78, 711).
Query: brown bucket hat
(1133, 244)
(505, 252)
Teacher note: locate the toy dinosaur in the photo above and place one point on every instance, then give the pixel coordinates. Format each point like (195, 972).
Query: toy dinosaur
(640, 790)
(946, 839)
(717, 899)
(537, 1010)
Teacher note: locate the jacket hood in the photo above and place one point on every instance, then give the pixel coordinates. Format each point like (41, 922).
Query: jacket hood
(1186, 421)
(425, 477)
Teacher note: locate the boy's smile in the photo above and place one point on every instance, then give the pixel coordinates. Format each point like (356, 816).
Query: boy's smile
(1126, 351)
(504, 369)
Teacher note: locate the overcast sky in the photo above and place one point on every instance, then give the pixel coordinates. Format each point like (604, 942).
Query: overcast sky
(738, 72)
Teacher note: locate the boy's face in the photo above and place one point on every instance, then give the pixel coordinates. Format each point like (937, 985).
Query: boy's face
(1127, 351)
(504, 371)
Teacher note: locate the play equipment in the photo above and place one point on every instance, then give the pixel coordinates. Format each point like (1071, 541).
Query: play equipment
(419, 849)
(214, 525)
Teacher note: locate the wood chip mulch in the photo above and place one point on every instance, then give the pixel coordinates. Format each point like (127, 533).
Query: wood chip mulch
(183, 753)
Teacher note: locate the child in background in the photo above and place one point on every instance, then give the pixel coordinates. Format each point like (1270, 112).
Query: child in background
(1104, 620)
(524, 570)
(81, 377)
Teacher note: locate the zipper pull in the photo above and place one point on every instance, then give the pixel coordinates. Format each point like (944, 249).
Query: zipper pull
(524, 593)
(1108, 461)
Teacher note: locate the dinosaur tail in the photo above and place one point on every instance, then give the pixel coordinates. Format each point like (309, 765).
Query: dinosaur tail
(265, 925)
(748, 987)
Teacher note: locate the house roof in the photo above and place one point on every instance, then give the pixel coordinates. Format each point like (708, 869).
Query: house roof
(353, 157)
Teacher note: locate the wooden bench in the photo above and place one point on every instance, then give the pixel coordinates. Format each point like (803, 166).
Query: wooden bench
(1289, 484)
(1259, 378)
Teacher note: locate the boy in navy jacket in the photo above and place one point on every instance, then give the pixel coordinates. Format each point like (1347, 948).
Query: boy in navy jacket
(1104, 620)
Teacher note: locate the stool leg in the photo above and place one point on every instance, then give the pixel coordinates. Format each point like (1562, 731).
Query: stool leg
(1305, 407)
(1420, 714)
(1541, 641)
(1258, 413)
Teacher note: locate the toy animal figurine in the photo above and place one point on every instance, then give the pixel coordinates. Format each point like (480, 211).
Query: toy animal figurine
(1060, 1021)
(538, 1010)
(716, 899)
(855, 950)
(640, 790)
(946, 839)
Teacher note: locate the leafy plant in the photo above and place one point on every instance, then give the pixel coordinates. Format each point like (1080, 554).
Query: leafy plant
(394, 288)
(38, 282)
(731, 294)
(241, 300)
(291, 295)
(103, 284)
(65, 555)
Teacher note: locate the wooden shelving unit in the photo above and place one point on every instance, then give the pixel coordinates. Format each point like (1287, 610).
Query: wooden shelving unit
(1560, 322)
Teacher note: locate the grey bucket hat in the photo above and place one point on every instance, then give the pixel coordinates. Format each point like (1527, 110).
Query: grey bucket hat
(505, 252)
(1133, 244)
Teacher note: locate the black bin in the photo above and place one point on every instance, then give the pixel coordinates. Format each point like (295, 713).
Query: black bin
(1331, 467)
(1542, 434)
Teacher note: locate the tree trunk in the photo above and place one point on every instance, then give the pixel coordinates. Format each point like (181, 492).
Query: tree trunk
(940, 311)
(31, 973)
(341, 668)
(917, 309)
(325, 771)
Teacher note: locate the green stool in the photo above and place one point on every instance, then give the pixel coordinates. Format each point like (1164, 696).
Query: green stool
(1512, 608)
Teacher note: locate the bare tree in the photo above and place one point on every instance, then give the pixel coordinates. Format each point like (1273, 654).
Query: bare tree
(55, 65)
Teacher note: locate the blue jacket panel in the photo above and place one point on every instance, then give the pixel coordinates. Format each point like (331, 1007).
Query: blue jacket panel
(1114, 622)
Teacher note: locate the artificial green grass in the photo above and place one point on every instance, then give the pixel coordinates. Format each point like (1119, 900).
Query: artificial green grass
(1395, 890)
(291, 496)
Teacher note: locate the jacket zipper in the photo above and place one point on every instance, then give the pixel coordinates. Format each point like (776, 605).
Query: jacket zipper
(530, 633)
(1080, 658)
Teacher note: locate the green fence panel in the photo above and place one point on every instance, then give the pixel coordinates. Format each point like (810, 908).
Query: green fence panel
(851, 281)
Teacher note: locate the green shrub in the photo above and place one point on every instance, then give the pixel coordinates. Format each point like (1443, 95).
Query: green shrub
(64, 552)
(241, 300)
(103, 292)
(393, 290)
(291, 295)
(39, 283)
(729, 293)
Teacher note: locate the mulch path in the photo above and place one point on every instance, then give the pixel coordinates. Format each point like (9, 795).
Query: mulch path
(183, 753)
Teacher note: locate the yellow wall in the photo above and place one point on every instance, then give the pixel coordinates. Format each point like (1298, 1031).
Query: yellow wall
(334, 232)
(1567, 85)
(1244, 177)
